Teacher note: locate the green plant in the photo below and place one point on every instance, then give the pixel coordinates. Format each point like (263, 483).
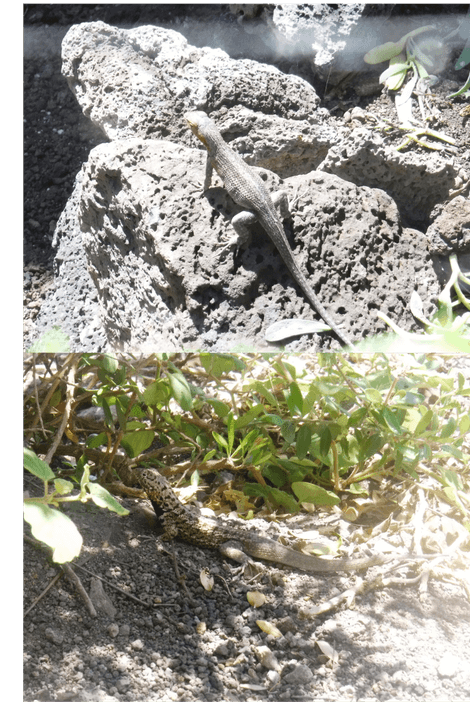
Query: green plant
(404, 56)
(464, 58)
(293, 433)
(51, 341)
(464, 91)
(446, 331)
(51, 526)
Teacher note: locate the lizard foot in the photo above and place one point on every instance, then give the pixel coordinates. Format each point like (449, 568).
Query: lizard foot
(249, 568)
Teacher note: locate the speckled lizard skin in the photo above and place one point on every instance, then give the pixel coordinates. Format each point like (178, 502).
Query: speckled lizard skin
(248, 190)
(191, 527)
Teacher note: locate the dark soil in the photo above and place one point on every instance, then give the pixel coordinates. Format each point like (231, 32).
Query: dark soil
(392, 644)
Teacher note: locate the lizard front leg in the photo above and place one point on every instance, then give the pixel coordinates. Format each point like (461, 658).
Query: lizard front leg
(208, 175)
(240, 221)
(170, 527)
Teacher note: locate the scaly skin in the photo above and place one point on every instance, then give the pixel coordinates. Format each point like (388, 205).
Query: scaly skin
(248, 190)
(191, 527)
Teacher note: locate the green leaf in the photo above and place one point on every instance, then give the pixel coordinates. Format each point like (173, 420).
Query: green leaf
(37, 466)
(181, 390)
(327, 388)
(281, 498)
(302, 444)
(464, 90)
(210, 454)
(218, 364)
(294, 399)
(387, 51)
(413, 416)
(261, 389)
(108, 415)
(108, 363)
(413, 398)
(357, 417)
(56, 398)
(297, 469)
(137, 425)
(248, 440)
(449, 428)
(452, 451)
(275, 475)
(230, 432)
(462, 61)
(136, 411)
(53, 341)
(102, 498)
(464, 424)
(453, 497)
(425, 420)
(270, 419)
(95, 441)
(249, 416)
(137, 442)
(373, 396)
(372, 445)
(425, 452)
(384, 52)
(253, 490)
(63, 486)
(221, 409)
(260, 456)
(288, 431)
(311, 493)
(85, 476)
(451, 478)
(157, 393)
(221, 441)
(394, 75)
(53, 528)
(358, 490)
(392, 421)
(325, 442)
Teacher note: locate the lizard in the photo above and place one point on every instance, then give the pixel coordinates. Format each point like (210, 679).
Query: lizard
(248, 190)
(230, 537)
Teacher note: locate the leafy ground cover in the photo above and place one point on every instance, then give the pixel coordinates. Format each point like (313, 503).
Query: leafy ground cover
(294, 433)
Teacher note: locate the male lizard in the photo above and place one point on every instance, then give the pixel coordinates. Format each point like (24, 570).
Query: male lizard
(248, 190)
(231, 538)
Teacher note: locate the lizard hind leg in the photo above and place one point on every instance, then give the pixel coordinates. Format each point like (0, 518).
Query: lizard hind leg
(241, 223)
(281, 202)
(234, 551)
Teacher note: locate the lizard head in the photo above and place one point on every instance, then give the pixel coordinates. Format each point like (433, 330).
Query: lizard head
(198, 121)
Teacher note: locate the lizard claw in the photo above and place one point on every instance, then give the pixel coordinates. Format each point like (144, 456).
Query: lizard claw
(249, 568)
